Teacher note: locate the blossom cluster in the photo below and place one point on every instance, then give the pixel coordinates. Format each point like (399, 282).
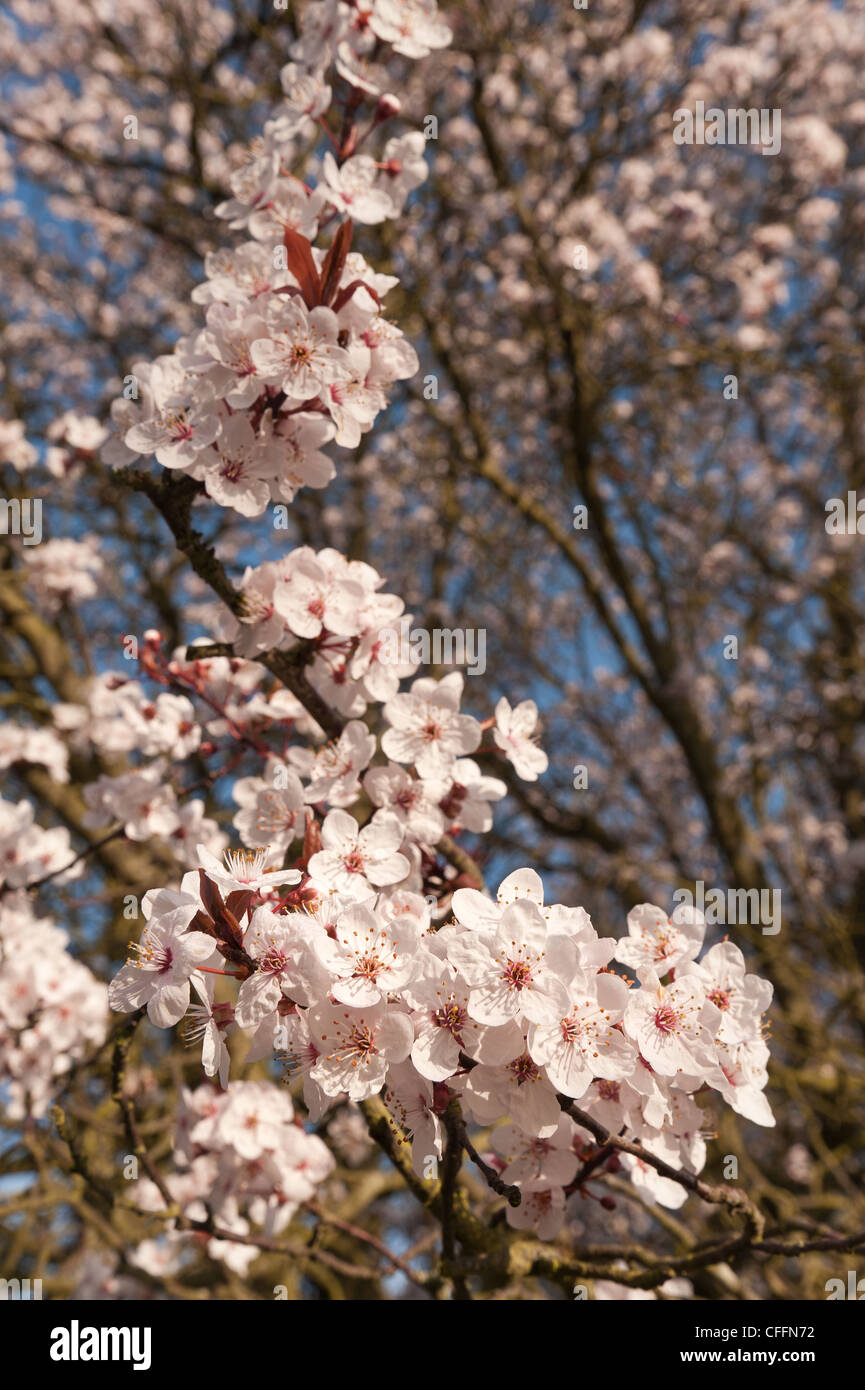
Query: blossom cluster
(416, 775)
(25, 743)
(64, 570)
(52, 1009)
(241, 1156)
(508, 1007)
(294, 352)
(29, 852)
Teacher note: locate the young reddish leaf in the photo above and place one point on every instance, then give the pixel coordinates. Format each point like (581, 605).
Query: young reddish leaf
(227, 925)
(211, 896)
(311, 839)
(238, 901)
(235, 955)
(231, 926)
(298, 256)
(201, 922)
(345, 295)
(334, 261)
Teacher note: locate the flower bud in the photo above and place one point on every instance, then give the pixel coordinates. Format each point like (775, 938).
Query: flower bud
(388, 105)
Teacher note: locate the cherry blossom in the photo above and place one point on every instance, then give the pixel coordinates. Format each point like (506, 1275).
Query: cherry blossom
(334, 770)
(348, 851)
(351, 188)
(741, 998)
(520, 972)
(444, 1025)
(552, 1161)
(158, 975)
(52, 1009)
(184, 422)
(285, 950)
(316, 595)
(411, 1101)
(658, 943)
(272, 810)
(464, 796)
(411, 800)
(426, 726)
(207, 1024)
(413, 27)
(513, 733)
(300, 354)
(585, 1043)
(674, 1027)
(356, 1046)
(369, 959)
(62, 569)
(518, 1088)
(245, 870)
(141, 799)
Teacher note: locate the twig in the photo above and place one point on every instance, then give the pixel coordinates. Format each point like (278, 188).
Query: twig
(732, 1197)
(358, 1233)
(453, 1157)
(509, 1191)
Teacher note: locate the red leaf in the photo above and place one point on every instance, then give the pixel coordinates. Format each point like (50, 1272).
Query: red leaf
(211, 896)
(238, 901)
(311, 839)
(201, 922)
(345, 295)
(227, 925)
(298, 256)
(334, 261)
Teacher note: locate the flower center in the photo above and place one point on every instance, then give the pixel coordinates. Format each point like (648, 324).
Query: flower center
(666, 1019)
(153, 955)
(450, 1017)
(353, 861)
(179, 426)
(274, 962)
(360, 1041)
(517, 974)
(523, 1069)
(368, 967)
(232, 470)
(571, 1029)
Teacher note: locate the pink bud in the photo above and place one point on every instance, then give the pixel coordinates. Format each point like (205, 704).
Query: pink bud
(388, 105)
